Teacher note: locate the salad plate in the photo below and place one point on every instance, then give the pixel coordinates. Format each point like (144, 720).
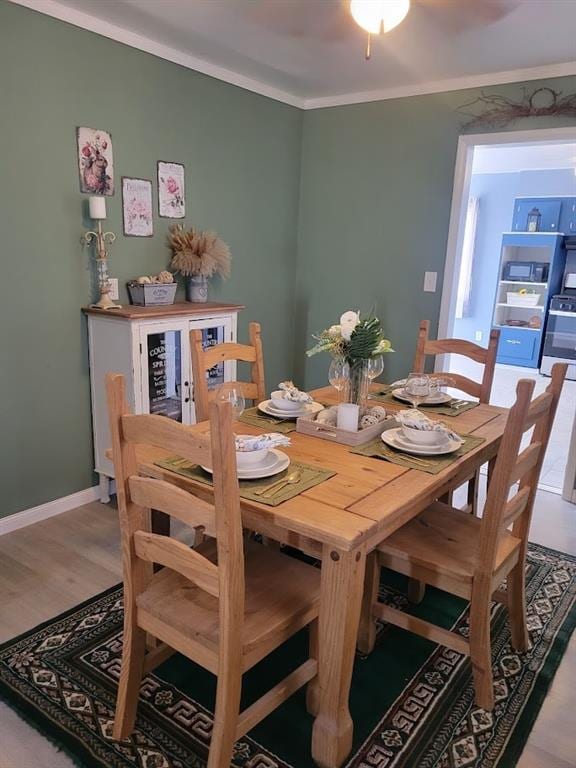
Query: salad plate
(395, 439)
(439, 398)
(268, 408)
(275, 462)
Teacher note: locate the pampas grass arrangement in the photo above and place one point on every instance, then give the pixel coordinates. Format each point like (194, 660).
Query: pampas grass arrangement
(198, 253)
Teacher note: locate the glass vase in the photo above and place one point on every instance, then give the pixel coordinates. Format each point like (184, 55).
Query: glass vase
(358, 383)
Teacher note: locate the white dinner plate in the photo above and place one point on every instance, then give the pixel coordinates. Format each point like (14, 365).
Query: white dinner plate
(267, 407)
(440, 398)
(393, 438)
(275, 462)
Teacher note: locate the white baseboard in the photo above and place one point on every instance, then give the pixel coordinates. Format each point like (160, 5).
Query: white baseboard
(50, 509)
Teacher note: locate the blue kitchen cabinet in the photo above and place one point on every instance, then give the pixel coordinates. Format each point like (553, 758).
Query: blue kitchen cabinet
(567, 223)
(522, 326)
(548, 208)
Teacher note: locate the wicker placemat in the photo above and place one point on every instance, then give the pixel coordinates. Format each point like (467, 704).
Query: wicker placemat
(377, 449)
(256, 418)
(385, 396)
(310, 476)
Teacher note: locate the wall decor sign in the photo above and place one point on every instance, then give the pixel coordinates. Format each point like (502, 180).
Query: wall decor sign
(137, 207)
(171, 200)
(497, 111)
(95, 161)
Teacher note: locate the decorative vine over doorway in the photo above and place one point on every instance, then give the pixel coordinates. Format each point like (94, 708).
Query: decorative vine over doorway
(497, 111)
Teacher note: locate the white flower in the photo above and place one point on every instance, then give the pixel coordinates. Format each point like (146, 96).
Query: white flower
(335, 331)
(348, 322)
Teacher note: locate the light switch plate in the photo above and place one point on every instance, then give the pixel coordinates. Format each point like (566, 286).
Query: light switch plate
(430, 281)
(113, 283)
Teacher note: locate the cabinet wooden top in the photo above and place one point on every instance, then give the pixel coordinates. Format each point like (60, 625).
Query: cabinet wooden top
(130, 312)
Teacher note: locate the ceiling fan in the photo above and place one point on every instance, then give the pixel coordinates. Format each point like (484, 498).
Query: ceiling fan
(331, 20)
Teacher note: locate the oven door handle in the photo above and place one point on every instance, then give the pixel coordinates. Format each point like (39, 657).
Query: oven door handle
(561, 313)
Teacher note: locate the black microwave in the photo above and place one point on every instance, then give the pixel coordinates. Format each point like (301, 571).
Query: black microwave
(526, 271)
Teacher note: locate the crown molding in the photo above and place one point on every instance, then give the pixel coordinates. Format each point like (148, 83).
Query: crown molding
(134, 40)
(146, 44)
(442, 86)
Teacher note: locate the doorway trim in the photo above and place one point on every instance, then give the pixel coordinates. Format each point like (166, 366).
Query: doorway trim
(460, 193)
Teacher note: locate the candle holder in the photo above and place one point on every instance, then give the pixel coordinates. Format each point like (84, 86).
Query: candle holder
(100, 238)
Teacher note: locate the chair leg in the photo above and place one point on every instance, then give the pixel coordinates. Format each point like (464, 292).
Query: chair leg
(480, 649)
(516, 590)
(473, 486)
(367, 629)
(225, 719)
(447, 498)
(416, 591)
(312, 691)
(130, 678)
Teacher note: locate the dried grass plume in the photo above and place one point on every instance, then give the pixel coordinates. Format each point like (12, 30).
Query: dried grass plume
(195, 252)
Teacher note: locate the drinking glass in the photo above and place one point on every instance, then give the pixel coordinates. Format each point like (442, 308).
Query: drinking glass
(232, 393)
(374, 367)
(339, 375)
(417, 388)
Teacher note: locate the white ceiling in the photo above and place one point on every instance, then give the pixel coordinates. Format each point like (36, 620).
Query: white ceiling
(525, 157)
(311, 53)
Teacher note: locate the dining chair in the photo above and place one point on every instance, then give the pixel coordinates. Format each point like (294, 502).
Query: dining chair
(225, 605)
(426, 347)
(471, 557)
(204, 359)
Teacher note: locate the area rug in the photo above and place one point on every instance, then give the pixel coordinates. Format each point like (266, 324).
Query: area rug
(412, 701)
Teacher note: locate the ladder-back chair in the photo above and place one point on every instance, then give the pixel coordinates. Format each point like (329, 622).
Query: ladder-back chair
(225, 605)
(203, 360)
(426, 347)
(470, 557)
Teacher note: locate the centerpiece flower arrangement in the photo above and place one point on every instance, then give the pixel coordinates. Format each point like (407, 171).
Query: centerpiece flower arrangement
(198, 256)
(354, 340)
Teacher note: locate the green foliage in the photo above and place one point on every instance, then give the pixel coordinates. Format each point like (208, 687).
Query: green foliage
(364, 340)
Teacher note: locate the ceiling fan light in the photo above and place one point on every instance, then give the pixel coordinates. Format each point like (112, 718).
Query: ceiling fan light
(377, 15)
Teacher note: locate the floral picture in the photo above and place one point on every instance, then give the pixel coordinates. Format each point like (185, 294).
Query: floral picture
(95, 161)
(171, 203)
(137, 207)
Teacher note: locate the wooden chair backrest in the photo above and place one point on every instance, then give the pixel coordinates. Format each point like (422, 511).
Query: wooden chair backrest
(516, 466)
(138, 495)
(203, 360)
(486, 356)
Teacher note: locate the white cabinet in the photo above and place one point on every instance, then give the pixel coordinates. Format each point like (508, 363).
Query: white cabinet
(150, 346)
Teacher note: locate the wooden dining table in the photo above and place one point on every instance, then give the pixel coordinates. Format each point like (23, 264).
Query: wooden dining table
(340, 521)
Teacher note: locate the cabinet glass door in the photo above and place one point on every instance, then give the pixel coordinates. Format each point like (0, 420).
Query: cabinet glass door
(217, 331)
(166, 385)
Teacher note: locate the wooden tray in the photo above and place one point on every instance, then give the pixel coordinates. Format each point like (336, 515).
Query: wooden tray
(309, 426)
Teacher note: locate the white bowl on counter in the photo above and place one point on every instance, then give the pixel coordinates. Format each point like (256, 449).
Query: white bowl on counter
(283, 404)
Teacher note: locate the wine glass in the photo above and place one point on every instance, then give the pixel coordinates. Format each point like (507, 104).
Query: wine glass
(374, 367)
(232, 393)
(339, 374)
(417, 388)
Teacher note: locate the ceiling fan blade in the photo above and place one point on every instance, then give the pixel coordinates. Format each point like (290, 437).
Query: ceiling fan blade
(457, 15)
(319, 20)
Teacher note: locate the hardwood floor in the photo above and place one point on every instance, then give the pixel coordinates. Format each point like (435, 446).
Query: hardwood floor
(52, 566)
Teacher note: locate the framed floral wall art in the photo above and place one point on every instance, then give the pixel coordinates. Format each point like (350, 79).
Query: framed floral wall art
(137, 207)
(95, 161)
(171, 201)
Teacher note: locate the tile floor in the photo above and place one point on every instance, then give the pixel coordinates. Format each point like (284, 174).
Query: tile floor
(504, 393)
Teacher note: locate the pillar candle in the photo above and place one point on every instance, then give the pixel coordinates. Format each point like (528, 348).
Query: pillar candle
(347, 418)
(97, 207)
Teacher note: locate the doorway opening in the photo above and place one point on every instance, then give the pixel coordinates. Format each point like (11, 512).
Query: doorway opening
(511, 250)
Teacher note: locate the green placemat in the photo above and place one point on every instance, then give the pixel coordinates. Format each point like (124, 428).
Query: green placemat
(310, 476)
(256, 418)
(385, 396)
(432, 464)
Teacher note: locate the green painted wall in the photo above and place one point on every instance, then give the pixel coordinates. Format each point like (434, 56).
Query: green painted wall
(374, 214)
(242, 157)
(366, 188)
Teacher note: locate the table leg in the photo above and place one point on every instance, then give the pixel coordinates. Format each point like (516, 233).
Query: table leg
(340, 600)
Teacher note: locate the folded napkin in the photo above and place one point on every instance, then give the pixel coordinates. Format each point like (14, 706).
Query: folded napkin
(416, 420)
(291, 392)
(257, 442)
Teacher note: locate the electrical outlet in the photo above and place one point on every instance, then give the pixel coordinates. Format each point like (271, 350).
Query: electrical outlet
(113, 283)
(430, 281)
(478, 336)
